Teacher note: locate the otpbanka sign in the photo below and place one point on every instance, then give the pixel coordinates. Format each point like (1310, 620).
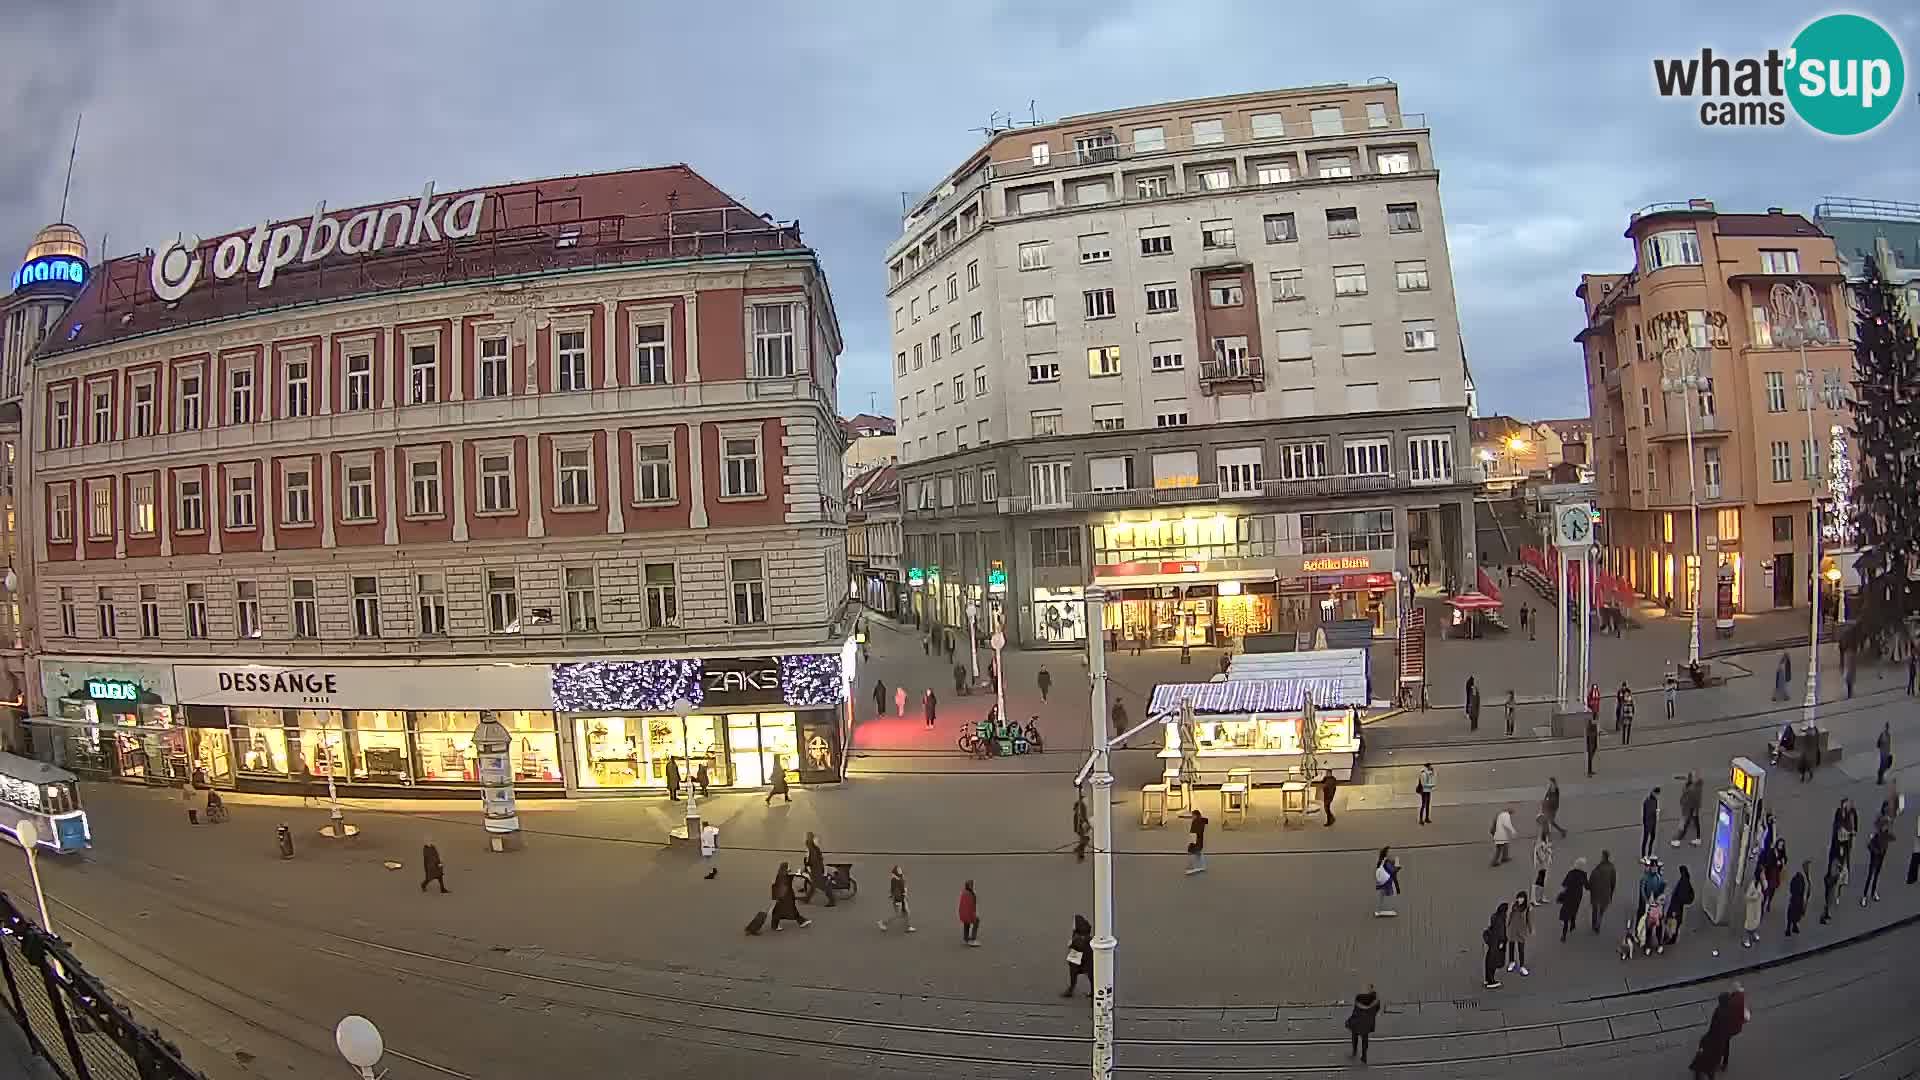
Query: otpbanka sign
(271, 248)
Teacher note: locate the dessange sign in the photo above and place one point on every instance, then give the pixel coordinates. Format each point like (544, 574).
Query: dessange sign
(270, 248)
(486, 686)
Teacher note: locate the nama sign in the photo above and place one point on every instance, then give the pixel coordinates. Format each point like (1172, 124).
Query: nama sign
(60, 268)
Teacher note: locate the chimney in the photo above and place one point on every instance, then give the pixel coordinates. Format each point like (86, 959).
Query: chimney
(1775, 210)
(1700, 204)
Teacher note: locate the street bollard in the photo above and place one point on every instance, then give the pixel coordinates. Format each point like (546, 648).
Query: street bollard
(285, 836)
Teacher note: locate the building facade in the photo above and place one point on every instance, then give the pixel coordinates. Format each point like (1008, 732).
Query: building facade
(874, 540)
(873, 443)
(1191, 350)
(1698, 298)
(319, 496)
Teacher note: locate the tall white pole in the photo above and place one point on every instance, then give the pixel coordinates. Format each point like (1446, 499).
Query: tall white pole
(1557, 561)
(1586, 619)
(1104, 944)
(973, 637)
(28, 834)
(1687, 384)
(1812, 707)
(335, 815)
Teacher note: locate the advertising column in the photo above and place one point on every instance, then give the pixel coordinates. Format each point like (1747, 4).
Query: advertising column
(494, 749)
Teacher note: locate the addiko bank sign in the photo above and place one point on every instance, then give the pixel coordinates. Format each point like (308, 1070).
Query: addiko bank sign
(269, 248)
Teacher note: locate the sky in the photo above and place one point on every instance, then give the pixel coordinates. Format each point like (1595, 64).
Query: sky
(209, 116)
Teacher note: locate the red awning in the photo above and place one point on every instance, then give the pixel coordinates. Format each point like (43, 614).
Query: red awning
(1473, 601)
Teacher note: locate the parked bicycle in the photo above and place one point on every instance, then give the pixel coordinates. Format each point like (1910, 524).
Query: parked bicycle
(989, 738)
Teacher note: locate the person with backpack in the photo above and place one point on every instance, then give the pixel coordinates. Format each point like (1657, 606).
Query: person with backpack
(1424, 788)
(1386, 884)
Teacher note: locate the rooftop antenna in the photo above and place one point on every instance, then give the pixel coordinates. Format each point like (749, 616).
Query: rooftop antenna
(871, 405)
(1033, 114)
(75, 149)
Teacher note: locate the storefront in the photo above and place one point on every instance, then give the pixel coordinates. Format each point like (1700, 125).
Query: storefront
(741, 718)
(381, 730)
(1188, 603)
(1317, 589)
(1256, 718)
(112, 721)
(879, 590)
(1059, 614)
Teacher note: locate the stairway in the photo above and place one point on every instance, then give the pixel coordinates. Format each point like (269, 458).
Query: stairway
(1413, 654)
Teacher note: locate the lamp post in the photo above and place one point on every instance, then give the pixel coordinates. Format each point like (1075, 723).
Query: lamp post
(999, 641)
(360, 1043)
(1104, 943)
(337, 826)
(29, 836)
(683, 709)
(1687, 381)
(1798, 322)
(973, 638)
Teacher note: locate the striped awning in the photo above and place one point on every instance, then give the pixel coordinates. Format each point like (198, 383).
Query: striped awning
(1473, 601)
(1256, 696)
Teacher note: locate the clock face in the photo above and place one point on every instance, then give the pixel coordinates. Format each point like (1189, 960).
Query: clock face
(1575, 524)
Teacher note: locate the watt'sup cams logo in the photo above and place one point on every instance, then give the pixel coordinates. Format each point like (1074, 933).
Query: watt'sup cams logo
(1843, 75)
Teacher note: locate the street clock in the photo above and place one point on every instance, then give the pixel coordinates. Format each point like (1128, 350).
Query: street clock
(1572, 525)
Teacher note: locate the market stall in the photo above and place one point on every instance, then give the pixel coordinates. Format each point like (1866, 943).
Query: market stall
(1253, 719)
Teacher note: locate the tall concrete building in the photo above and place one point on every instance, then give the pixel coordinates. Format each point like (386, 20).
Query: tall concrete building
(1203, 352)
(1757, 461)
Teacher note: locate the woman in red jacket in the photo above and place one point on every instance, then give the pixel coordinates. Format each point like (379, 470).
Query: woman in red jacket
(969, 915)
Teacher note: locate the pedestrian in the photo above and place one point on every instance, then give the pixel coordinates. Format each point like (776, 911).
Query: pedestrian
(1830, 890)
(779, 781)
(1366, 1011)
(709, 847)
(1523, 616)
(1913, 860)
(1625, 714)
(1550, 805)
(1473, 710)
(1327, 786)
(1572, 888)
(1672, 692)
(1913, 667)
(1386, 883)
(1797, 896)
(1593, 743)
(1877, 845)
(1782, 675)
(1119, 717)
(1082, 828)
(1683, 896)
(1502, 833)
(950, 646)
(1714, 1043)
(1080, 956)
(931, 705)
(1849, 667)
(1494, 937)
(1649, 821)
(817, 870)
(1424, 788)
(1652, 883)
(1519, 929)
(1846, 825)
(1770, 877)
(1542, 865)
(1600, 886)
(1593, 701)
(1756, 903)
(959, 680)
(969, 915)
(433, 869)
(1533, 622)
(1197, 847)
(1884, 744)
(897, 893)
(1510, 709)
(900, 702)
(784, 907)
(1472, 690)
(879, 699)
(673, 778)
(1737, 1016)
(927, 645)
(1691, 793)
(1045, 679)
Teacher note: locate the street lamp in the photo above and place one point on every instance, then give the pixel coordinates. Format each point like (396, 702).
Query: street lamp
(360, 1043)
(1797, 323)
(973, 640)
(1104, 943)
(1680, 365)
(999, 641)
(683, 709)
(29, 836)
(337, 826)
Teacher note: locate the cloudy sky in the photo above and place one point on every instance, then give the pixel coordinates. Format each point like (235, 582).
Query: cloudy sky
(209, 116)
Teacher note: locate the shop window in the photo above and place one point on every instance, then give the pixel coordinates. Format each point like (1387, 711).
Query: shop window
(322, 743)
(379, 746)
(1059, 615)
(259, 741)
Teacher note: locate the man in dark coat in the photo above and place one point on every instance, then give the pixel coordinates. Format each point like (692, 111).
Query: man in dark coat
(431, 865)
(1600, 885)
(1327, 787)
(1080, 956)
(1572, 888)
(1593, 743)
(879, 699)
(931, 705)
(673, 778)
(1046, 683)
(817, 870)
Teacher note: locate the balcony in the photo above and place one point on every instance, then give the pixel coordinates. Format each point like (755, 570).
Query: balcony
(1704, 427)
(1108, 153)
(1224, 371)
(1318, 487)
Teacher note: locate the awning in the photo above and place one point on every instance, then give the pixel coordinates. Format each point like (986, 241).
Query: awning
(1473, 601)
(1201, 577)
(1254, 696)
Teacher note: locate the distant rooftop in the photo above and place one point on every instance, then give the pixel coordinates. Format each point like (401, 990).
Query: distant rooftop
(1855, 224)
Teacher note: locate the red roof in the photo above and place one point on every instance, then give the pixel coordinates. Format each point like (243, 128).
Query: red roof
(537, 226)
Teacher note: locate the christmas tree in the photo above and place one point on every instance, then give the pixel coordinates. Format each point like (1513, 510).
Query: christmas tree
(1884, 512)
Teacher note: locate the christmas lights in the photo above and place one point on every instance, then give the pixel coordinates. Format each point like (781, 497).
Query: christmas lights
(811, 680)
(613, 685)
(1837, 526)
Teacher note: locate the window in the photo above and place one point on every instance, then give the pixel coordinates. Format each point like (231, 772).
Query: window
(102, 414)
(1421, 392)
(1226, 292)
(933, 299)
(919, 357)
(1377, 115)
(1279, 228)
(1209, 132)
(1239, 469)
(1269, 175)
(1157, 240)
(1216, 179)
(196, 611)
(298, 484)
(1705, 397)
(1363, 397)
(1710, 475)
(1109, 417)
(69, 614)
(503, 603)
(1110, 474)
(913, 308)
(1152, 187)
(1165, 356)
(663, 601)
(1103, 360)
(1055, 547)
(1288, 285)
(1326, 121)
(1762, 328)
(1216, 234)
(240, 504)
(1099, 303)
(299, 389)
(979, 380)
(939, 396)
(149, 611)
(1833, 393)
(959, 389)
(749, 591)
(1091, 192)
(1171, 413)
(989, 479)
(1176, 469)
(1343, 221)
(1095, 248)
(109, 617)
(1369, 457)
(240, 396)
(360, 381)
(1045, 422)
(1039, 310)
(1420, 335)
(1040, 153)
(189, 418)
(306, 609)
(653, 472)
(1781, 454)
(977, 328)
(1333, 166)
(496, 483)
(1403, 217)
(1397, 161)
(953, 340)
(192, 508)
(1050, 483)
(1646, 407)
(1033, 201)
(1430, 459)
(493, 367)
(423, 373)
(1293, 344)
(140, 508)
(1349, 280)
(1776, 392)
(1411, 275)
(1675, 247)
(740, 467)
(1783, 528)
(583, 614)
(570, 360)
(1303, 460)
(1810, 459)
(1230, 356)
(1356, 339)
(1033, 255)
(1043, 368)
(61, 436)
(1162, 299)
(1095, 147)
(953, 288)
(1269, 126)
(1148, 140)
(143, 409)
(573, 472)
(247, 608)
(359, 492)
(973, 275)
(366, 607)
(424, 492)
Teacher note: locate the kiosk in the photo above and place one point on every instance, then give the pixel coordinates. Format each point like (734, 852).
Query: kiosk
(1736, 837)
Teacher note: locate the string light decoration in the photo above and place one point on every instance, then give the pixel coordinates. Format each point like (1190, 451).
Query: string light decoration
(1883, 515)
(639, 685)
(812, 679)
(1837, 524)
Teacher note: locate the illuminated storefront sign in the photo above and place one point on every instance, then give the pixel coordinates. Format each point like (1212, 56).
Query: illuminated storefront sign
(112, 690)
(1335, 564)
(269, 248)
(916, 576)
(57, 268)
